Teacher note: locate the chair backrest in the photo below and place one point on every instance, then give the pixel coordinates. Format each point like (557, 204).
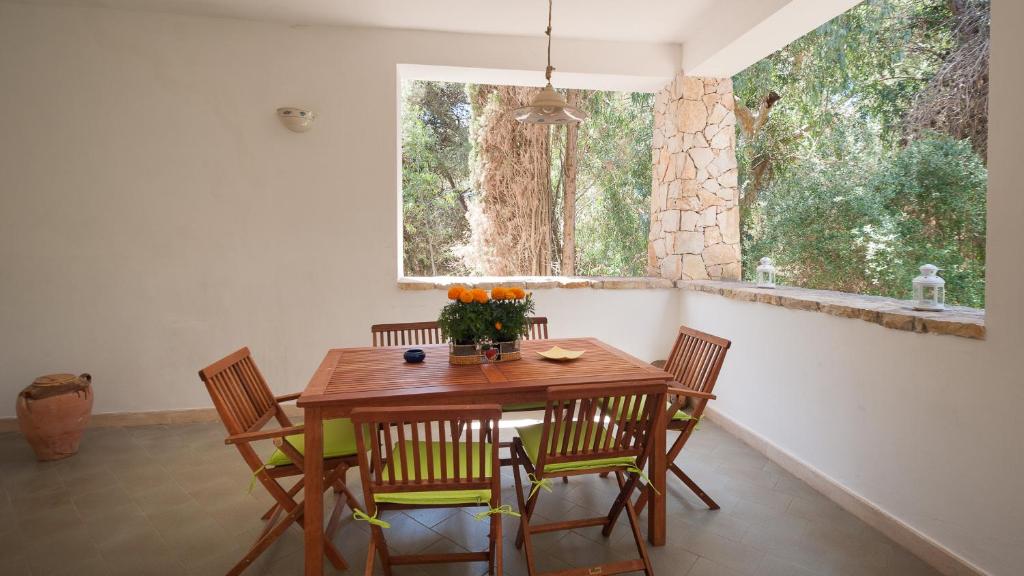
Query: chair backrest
(405, 334)
(696, 359)
(538, 329)
(240, 394)
(413, 449)
(593, 422)
(420, 333)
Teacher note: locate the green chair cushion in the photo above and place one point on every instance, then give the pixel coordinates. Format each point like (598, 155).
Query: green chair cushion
(339, 440)
(679, 416)
(438, 497)
(530, 436)
(524, 407)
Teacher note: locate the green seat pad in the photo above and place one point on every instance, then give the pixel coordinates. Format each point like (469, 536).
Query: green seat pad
(438, 497)
(530, 436)
(524, 407)
(339, 440)
(678, 416)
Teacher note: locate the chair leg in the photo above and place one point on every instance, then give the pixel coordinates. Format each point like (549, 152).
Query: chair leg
(268, 538)
(625, 497)
(371, 555)
(694, 487)
(382, 549)
(495, 561)
(525, 507)
(638, 537)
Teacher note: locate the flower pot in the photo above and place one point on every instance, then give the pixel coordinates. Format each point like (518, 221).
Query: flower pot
(508, 351)
(464, 354)
(53, 412)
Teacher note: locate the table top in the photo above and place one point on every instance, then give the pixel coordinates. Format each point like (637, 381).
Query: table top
(350, 377)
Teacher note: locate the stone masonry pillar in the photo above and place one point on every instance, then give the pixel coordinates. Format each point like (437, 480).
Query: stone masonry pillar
(695, 215)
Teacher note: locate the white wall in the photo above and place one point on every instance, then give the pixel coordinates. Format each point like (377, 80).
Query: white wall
(154, 215)
(925, 427)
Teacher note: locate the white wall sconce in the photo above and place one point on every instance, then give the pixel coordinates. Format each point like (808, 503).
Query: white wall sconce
(296, 119)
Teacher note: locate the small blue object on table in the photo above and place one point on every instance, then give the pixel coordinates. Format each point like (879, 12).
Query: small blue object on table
(414, 355)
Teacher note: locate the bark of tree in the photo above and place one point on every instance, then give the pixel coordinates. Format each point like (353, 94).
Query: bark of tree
(750, 124)
(510, 217)
(570, 166)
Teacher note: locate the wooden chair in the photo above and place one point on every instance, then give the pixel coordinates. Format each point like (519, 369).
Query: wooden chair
(426, 457)
(245, 405)
(695, 361)
(589, 430)
(420, 333)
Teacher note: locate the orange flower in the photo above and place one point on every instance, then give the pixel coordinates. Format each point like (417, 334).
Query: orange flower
(466, 296)
(455, 291)
(498, 293)
(518, 293)
(497, 325)
(480, 295)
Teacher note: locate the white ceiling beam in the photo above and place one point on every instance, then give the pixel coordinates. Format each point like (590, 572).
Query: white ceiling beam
(743, 33)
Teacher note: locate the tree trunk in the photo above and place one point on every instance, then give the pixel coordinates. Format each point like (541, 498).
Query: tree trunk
(569, 170)
(510, 217)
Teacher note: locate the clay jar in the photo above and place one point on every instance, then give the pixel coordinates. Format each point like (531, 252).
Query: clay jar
(53, 413)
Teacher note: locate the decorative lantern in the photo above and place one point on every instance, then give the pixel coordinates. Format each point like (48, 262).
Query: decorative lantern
(766, 273)
(929, 289)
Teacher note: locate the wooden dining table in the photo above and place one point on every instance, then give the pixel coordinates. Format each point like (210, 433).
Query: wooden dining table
(356, 377)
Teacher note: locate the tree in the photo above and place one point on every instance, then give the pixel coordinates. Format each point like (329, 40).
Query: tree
(843, 180)
(510, 216)
(483, 194)
(435, 176)
(570, 161)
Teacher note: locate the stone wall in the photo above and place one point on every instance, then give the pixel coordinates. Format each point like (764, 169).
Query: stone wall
(695, 218)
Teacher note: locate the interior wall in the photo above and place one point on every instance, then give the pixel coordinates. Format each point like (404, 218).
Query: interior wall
(925, 427)
(155, 215)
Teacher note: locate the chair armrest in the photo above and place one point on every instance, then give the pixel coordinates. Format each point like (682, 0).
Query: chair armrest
(679, 391)
(288, 397)
(264, 434)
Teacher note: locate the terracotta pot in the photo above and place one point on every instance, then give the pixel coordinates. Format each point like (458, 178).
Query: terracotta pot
(53, 412)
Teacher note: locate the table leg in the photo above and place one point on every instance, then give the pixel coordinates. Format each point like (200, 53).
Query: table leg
(656, 500)
(314, 492)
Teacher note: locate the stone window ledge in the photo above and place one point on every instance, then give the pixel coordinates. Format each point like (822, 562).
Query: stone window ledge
(534, 282)
(887, 312)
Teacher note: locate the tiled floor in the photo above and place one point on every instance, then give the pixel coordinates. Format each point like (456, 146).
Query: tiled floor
(174, 500)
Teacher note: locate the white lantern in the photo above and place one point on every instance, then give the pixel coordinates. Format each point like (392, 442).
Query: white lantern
(929, 290)
(766, 273)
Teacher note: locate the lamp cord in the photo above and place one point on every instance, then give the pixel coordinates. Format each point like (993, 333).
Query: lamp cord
(550, 68)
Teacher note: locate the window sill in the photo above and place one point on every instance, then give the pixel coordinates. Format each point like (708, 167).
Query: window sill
(534, 282)
(887, 312)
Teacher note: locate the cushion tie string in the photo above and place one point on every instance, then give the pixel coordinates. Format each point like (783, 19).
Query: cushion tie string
(504, 510)
(538, 483)
(635, 470)
(252, 481)
(372, 520)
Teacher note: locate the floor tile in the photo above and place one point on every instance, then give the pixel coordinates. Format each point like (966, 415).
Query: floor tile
(174, 500)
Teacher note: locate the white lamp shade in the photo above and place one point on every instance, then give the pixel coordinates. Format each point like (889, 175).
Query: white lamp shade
(549, 107)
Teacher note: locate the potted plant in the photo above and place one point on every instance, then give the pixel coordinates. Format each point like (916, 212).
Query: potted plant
(463, 322)
(509, 321)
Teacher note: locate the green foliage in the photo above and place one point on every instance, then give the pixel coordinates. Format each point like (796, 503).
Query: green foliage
(513, 316)
(465, 323)
(613, 202)
(933, 193)
(435, 176)
(831, 188)
(495, 320)
(613, 180)
(866, 228)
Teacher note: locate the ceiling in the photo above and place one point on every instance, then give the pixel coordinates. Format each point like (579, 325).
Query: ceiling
(632, 21)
